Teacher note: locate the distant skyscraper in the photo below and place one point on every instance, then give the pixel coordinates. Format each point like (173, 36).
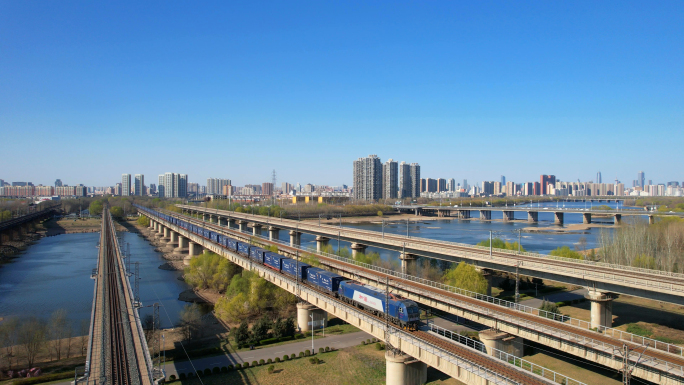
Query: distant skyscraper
(544, 181)
(404, 180)
(598, 177)
(390, 179)
(488, 188)
(153, 189)
(441, 185)
(58, 183)
(641, 179)
(215, 185)
(160, 186)
(139, 185)
(368, 178)
(465, 184)
(503, 180)
(173, 185)
(267, 188)
(126, 185)
(451, 185)
(415, 180)
(431, 185)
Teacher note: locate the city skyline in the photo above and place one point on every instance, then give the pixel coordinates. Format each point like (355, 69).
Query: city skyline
(512, 87)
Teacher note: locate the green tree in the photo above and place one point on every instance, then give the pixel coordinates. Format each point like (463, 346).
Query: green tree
(261, 328)
(644, 261)
(202, 270)
(498, 243)
(232, 309)
(466, 277)
(95, 207)
(566, 252)
(143, 221)
(241, 334)
(549, 307)
(117, 212)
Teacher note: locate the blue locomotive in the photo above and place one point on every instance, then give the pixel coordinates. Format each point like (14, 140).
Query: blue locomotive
(401, 311)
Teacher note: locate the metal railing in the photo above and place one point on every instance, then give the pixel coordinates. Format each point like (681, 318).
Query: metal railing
(507, 357)
(558, 333)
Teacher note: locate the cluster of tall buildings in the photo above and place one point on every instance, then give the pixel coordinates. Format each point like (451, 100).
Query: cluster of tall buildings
(172, 185)
(137, 189)
(374, 180)
(28, 189)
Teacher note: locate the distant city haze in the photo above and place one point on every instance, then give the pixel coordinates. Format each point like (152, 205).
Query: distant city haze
(473, 90)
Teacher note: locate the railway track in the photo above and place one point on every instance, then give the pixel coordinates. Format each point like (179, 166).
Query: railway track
(618, 345)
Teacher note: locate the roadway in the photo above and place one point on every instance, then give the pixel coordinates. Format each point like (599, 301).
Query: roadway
(651, 284)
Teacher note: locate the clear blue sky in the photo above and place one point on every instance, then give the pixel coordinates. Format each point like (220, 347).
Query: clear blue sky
(477, 89)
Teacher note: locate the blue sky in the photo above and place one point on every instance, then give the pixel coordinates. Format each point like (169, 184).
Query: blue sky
(91, 90)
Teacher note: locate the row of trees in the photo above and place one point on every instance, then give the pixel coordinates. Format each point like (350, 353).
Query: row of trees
(498, 243)
(264, 329)
(211, 271)
(30, 337)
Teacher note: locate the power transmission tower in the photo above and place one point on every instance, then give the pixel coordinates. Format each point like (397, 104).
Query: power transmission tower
(626, 368)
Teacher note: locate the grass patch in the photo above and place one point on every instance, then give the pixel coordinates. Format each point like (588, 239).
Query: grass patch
(639, 330)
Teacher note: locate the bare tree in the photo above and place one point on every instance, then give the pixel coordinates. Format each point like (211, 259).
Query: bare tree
(57, 331)
(8, 338)
(84, 331)
(69, 336)
(190, 320)
(32, 336)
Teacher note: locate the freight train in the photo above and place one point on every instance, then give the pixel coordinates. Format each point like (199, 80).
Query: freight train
(401, 311)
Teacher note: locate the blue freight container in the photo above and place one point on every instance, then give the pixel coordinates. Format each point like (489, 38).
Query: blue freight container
(243, 248)
(256, 254)
(231, 244)
(329, 281)
(273, 260)
(312, 275)
(290, 267)
(368, 296)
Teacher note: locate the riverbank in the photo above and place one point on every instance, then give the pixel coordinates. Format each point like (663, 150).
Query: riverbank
(577, 228)
(11, 249)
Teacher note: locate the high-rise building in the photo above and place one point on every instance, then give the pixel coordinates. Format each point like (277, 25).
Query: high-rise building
(160, 186)
(488, 188)
(390, 179)
(598, 177)
(431, 185)
(58, 183)
(641, 179)
(544, 181)
(404, 180)
(126, 185)
(368, 178)
(465, 184)
(153, 189)
(267, 188)
(451, 185)
(139, 185)
(215, 185)
(503, 180)
(287, 188)
(423, 185)
(173, 185)
(441, 185)
(415, 179)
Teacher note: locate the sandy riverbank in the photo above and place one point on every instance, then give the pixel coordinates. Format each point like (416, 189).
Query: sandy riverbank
(577, 228)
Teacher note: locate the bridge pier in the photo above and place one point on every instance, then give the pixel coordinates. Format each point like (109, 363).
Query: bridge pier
(558, 217)
(242, 226)
(204, 216)
(231, 223)
(601, 308)
(256, 229)
(167, 235)
(295, 238)
(222, 221)
(358, 248)
(485, 215)
(273, 233)
(304, 312)
(463, 214)
(408, 263)
(418, 211)
(321, 243)
(182, 244)
(617, 219)
(403, 369)
(586, 218)
(494, 339)
(508, 216)
(651, 219)
(16, 235)
(194, 248)
(174, 238)
(533, 216)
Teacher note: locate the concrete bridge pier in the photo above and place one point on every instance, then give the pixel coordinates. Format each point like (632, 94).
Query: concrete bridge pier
(295, 238)
(321, 243)
(222, 221)
(508, 216)
(304, 312)
(485, 215)
(194, 248)
(273, 233)
(488, 275)
(586, 218)
(173, 241)
(17, 235)
(533, 216)
(617, 219)
(160, 231)
(403, 369)
(231, 223)
(256, 229)
(358, 248)
(182, 244)
(167, 234)
(213, 218)
(558, 217)
(418, 211)
(463, 214)
(242, 226)
(494, 339)
(408, 263)
(601, 308)
(205, 216)
(651, 219)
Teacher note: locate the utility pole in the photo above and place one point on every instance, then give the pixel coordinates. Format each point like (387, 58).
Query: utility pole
(519, 240)
(626, 369)
(517, 283)
(490, 244)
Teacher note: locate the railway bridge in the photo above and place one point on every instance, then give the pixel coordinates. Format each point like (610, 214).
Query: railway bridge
(511, 323)
(15, 228)
(117, 348)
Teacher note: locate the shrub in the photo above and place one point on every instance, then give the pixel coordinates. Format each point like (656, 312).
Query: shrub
(378, 346)
(261, 361)
(238, 366)
(245, 364)
(270, 361)
(311, 360)
(307, 352)
(316, 360)
(182, 376)
(368, 341)
(321, 350)
(286, 357)
(327, 349)
(224, 369)
(191, 375)
(292, 357)
(301, 354)
(254, 363)
(363, 342)
(216, 370)
(44, 378)
(271, 369)
(172, 377)
(277, 359)
(207, 372)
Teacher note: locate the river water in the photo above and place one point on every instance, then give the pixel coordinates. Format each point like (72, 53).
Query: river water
(55, 274)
